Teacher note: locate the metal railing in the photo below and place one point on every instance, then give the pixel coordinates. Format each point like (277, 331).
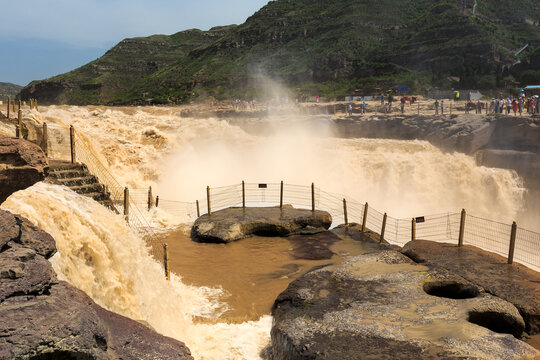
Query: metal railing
(486, 234)
(519, 244)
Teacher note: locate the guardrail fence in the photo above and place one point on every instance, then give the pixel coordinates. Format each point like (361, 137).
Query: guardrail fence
(517, 244)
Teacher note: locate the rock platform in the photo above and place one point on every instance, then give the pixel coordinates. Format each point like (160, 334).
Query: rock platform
(237, 223)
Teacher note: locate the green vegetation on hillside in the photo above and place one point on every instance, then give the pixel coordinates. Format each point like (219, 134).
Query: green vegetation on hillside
(8, 89)
(332, 48)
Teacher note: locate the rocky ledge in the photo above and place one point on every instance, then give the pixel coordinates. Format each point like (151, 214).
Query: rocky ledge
(233, 224)
(22, 164)
(43, 318)
(514, 283)
(382, 305)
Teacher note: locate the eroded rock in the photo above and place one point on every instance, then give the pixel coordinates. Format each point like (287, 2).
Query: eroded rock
(233, 224)
(43, 318)
(375, 306)
(22, 164)
(514, 283)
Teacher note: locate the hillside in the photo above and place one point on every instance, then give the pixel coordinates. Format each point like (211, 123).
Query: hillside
(332, 48)
(8, 89)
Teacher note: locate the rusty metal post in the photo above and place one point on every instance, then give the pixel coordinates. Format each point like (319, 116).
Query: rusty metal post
(20, 124)
(8, 105)
(72, 143)
(413, 229)
(281, 196)
(208, 200)
(150, 198)
(126, 204)
(364, 218)
(383, 229)
(166, 261)
(312, 196)
(345, 212)
(461, 228)
(243, 194)
(512, 243)
(157, 201)
(20, 105)
(198, 209)
(45, 140)
(17, 131)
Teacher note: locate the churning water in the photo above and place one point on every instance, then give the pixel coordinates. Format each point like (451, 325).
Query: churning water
(178, 157)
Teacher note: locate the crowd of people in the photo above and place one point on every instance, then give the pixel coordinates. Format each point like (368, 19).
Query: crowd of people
(519, 104)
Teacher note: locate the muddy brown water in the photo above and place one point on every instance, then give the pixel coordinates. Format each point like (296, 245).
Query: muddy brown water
(253, 271)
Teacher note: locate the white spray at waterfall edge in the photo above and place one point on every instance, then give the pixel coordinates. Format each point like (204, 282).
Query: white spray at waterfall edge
(99, 254)
(146, 146)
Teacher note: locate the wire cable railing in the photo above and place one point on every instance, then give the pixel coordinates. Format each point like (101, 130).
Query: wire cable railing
(480, 232)
(518, 244)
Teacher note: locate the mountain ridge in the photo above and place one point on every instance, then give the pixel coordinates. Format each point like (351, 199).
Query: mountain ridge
(332, 48)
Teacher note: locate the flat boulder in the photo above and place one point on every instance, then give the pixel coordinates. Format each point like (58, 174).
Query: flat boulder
(377, 306)
(22, 164)
(236, 223)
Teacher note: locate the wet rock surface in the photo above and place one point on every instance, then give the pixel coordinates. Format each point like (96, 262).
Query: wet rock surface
(377, 306)
(233, 224)
(514, 283)
(22, 164)
(43, 318)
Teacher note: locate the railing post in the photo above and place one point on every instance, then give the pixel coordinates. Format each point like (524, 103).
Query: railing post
(20, 105)
(281, 196)
(312, 196)
(345, 212)
(20, 124)
(166, 261)
(126, 204)
(72, 143)
(208, 200)
(36, 104)
(364, 218)
(383, 229)
(413, 229)
(45, 140)
(8, 104)
(243, 194)
(157, 201)
(150, 198)
(198, 209)
(461, 228)
(17, 131)
(512, 243)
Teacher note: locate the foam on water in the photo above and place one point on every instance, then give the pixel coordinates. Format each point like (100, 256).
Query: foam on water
(99, 254)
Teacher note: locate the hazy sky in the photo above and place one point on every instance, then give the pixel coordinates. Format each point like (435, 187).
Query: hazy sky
(42, 38)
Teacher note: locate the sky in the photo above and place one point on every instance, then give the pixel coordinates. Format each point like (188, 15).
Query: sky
(43, 38)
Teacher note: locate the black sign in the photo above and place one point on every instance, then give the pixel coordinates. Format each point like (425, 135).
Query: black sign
(420, 219)
(263, 186)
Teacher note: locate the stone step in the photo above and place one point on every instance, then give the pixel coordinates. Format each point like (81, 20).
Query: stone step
(98, 196)
(87, 188)
(67, 173)
(75, 181)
